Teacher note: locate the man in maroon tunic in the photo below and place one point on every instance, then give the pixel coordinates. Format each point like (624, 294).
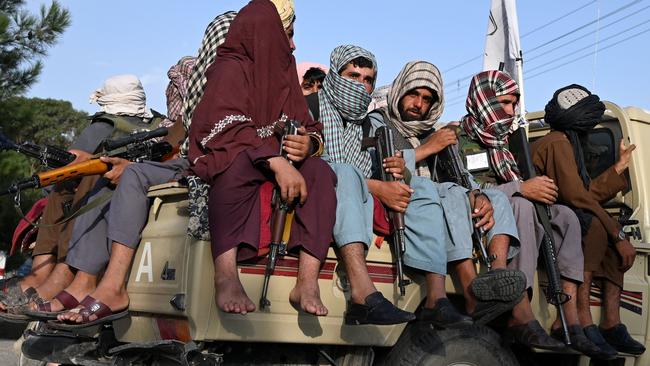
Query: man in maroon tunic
(252, 90)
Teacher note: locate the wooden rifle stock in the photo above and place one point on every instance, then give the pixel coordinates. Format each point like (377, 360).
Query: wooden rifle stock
(385, 149)
(140, 149)
(280, 223)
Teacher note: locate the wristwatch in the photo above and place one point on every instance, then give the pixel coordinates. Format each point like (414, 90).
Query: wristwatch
(622, 235)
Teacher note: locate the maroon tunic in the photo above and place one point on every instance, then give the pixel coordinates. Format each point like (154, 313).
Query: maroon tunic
(252, 87)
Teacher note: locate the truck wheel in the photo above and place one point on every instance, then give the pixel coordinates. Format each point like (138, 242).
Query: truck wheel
(472, 346)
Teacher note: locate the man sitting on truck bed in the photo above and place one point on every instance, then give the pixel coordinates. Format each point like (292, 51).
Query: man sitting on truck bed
(123, 110)
(572, 113)
(91, 256)
(252, 91)
(185, 89)
(491, 103)
(341, 105)
(415, 103)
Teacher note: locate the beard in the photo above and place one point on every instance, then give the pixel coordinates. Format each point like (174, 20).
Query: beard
(414, 115)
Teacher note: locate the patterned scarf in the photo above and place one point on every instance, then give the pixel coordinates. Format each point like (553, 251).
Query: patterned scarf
(177, 88)
(215, 35)
(416, 74)
(343, 105)
(487, 123)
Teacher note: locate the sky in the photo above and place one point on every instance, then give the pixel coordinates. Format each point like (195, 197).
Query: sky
(601, 44)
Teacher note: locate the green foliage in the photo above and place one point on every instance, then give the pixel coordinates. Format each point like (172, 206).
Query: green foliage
(24, 38)
(41, 121)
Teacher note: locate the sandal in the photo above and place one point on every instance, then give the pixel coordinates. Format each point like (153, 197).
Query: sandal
(91, 307)
(15, 310)
(44, 309)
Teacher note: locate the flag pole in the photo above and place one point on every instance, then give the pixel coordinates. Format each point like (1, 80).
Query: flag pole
(520, 82)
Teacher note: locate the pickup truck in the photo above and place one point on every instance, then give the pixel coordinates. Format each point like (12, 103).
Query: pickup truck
(174, 320)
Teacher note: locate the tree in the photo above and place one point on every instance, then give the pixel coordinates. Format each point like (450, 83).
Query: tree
(44, 122)
(24, 39)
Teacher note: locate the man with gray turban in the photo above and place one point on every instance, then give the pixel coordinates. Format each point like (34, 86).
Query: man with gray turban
(341, 106)
(608, 254)
(415, 102)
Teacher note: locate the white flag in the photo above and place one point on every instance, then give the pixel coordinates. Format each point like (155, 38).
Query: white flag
(502, 40)
(502, 46)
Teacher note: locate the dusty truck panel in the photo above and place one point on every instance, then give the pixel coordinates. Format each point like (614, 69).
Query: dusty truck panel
(170, 265)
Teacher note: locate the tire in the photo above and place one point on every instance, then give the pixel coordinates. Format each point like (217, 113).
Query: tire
(472, 346)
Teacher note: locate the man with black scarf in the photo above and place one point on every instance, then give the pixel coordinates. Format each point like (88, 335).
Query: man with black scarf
(571, 113)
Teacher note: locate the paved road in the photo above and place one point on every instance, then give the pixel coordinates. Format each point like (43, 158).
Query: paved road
(8, 335)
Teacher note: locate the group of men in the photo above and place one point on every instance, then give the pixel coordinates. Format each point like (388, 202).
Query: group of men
(233, 102)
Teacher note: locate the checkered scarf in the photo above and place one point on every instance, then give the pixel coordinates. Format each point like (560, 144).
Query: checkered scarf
(215, 35)
(487, 123)
(415, 74)
(342, 99)
(177, 88)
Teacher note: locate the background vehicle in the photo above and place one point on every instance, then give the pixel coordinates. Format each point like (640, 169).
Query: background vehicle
(174, 319)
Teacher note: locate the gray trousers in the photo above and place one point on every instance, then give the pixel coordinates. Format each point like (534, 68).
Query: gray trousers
(566, 233)
(122, 218)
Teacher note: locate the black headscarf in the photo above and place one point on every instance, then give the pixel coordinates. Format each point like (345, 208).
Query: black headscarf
(574, 111)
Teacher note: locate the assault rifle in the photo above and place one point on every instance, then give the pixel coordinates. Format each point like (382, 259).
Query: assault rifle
(385, 149)
(554, 293)
(50, 156)
(280, 222)
(135, 147)
(449, 168)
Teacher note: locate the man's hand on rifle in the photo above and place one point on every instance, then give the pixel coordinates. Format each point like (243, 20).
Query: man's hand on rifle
(117, 167)
(291, 182)
(540, 189)
(297, 146)
(395, 165)
(627, 252)
(395, 195)
(440, 139)
(483, 210)
(81, 156)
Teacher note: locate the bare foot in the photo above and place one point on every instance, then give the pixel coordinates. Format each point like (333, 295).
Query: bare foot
(308, 297)
(231, 297)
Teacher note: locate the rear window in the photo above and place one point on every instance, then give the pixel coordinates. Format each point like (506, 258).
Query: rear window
(600, 152)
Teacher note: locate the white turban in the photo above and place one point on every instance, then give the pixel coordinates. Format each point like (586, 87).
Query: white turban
(122, 95)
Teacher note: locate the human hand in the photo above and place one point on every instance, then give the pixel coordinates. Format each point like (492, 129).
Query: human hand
(80, 156)
(291, 182)
(117, 168)
(395, 165)
(483, 210)
(625, 154)
(540, 189)
(627, 252)
(395, 195)
(440, 139)
(297, 146)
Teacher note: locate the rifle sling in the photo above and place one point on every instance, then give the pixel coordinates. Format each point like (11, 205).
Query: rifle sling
(80, 211)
